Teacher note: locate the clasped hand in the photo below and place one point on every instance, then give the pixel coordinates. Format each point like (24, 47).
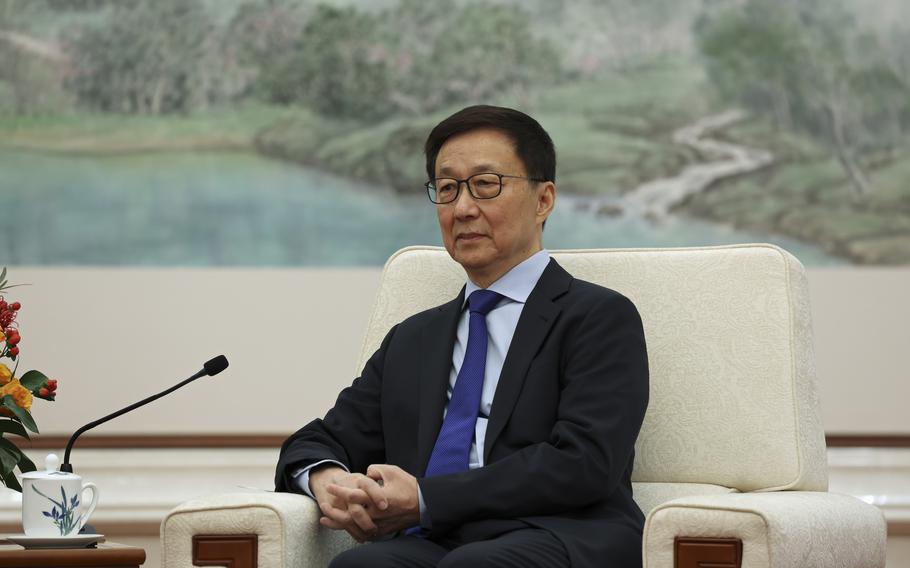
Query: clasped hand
(381, 502)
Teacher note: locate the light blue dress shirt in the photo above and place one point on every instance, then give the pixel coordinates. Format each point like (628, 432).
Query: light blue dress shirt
(515, 285)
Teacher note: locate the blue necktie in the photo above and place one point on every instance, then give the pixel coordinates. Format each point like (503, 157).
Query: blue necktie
(453, 446)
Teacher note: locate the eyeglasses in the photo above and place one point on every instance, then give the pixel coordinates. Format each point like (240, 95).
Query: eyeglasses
(486, 185)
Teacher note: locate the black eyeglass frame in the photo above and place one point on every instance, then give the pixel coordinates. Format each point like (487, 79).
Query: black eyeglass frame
(431, 186)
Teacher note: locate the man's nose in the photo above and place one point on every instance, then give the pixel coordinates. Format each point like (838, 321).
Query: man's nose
(465, 205)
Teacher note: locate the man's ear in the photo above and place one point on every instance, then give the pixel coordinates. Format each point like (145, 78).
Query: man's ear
(546, 199)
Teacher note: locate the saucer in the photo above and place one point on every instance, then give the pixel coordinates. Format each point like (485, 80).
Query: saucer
(75, 541)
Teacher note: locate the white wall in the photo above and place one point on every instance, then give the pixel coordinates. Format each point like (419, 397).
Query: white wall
(862, 345)
(113, 336)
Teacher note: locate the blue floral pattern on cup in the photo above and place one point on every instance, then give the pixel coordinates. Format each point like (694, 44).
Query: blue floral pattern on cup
(63, 512)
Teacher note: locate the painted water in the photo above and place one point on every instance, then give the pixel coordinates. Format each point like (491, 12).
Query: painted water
(241, 209)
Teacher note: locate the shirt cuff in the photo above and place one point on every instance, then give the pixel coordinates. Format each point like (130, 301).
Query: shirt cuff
(424, 514)
(302, 475)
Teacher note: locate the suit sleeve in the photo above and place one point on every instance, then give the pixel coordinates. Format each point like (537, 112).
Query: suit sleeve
(603, 397)
(351, 432)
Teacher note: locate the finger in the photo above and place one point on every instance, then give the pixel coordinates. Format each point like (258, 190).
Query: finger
(354, 515)
(363, 520)
(374, 492)
(338, 519)
(329, 497)
(360, 538)
(374, 472)
(354, 532)
(335, 514)
(379, 473)
(341, 517)
(349, 495)
(329, 523)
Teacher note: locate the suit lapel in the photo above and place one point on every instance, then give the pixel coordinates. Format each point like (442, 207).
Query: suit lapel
(435, 355)
(537, 317)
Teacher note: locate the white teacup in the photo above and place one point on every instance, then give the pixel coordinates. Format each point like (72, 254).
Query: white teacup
(52, 501)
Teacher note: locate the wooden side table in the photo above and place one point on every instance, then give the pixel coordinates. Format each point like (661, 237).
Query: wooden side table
(106, 555)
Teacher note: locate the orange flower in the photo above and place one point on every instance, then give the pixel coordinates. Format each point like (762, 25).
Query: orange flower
(21, 395)
(5, 374)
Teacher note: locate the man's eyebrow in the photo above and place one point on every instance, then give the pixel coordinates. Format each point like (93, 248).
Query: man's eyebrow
(479, 168)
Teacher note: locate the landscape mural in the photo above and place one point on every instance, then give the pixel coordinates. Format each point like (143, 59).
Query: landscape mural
(289, 133)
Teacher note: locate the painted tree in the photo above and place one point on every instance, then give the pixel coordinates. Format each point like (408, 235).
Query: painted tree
(411, 58)
(469, 53)
(807, 65)
(263, 38)
(339, 68)
(148, 58)
(31, 67)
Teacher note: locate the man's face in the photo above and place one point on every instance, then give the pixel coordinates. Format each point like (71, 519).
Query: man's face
(490, 236)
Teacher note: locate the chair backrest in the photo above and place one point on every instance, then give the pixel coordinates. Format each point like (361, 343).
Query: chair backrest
(728, 329)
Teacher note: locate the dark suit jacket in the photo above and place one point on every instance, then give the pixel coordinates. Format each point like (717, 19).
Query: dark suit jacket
(560, 439)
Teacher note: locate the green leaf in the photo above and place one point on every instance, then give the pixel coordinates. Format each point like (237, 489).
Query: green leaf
(9, 459)
(10, 448)
(26, 465)
(3, 275)
(33, 380)
(20, 413)
(12, 427)
(4, 443)
(9, 479)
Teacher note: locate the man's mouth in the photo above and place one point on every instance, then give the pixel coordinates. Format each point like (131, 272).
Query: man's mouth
(469, 237)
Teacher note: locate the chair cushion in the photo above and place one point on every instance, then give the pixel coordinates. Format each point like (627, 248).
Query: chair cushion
(649, 495)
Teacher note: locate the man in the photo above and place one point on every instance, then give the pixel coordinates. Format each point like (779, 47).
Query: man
(497, 429)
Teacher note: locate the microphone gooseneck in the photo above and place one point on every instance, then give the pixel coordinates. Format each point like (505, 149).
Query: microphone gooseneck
(210, 368)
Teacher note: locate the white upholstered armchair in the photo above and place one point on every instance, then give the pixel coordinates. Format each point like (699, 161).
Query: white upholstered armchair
(730, 465)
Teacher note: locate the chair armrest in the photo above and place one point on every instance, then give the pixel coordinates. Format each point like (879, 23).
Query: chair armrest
(283, 528)
(777, 529)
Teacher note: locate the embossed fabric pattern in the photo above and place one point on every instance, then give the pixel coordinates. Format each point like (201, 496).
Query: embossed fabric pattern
(785, 529)
(287, 526)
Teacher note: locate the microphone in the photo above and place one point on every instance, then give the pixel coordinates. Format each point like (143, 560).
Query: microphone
(211, 368)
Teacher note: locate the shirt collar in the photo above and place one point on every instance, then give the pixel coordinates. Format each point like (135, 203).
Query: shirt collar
(517, 283)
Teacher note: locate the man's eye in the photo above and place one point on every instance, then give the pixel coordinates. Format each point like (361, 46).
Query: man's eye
(445, 187)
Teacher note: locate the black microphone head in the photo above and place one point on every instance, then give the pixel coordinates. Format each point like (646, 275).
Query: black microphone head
(215, 365)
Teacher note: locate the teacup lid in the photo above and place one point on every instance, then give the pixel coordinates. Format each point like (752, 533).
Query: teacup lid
(51, 466)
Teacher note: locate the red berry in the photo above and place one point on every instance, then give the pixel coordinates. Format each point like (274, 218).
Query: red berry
(15, 306)
(52, 384)
(43, 392)
(12, 340)
(14, 351)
